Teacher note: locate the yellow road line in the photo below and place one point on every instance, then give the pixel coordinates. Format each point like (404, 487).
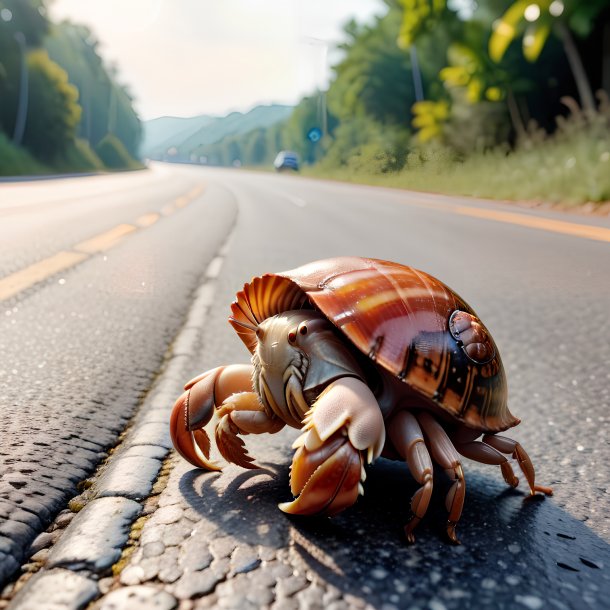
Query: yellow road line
(538, 222)
(106, 240)
(148, 219)
(195, 192)
(182, 201)
(20, 280)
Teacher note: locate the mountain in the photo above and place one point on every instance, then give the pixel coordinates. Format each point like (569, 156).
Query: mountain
(161, 133)
(188, 134)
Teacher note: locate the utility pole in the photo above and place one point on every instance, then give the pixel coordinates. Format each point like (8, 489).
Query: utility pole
(22, 108)
(417, 81)
(323, 44)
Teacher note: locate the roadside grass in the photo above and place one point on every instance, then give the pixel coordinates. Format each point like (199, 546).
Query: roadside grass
(569, 168)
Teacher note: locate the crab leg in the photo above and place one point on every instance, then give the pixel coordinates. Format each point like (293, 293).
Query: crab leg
(511, 447)
(408, 439)
(444, 453)
(486, 454)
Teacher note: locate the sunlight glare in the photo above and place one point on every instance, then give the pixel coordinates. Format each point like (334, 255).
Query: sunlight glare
(556, 8)
(532, 12)
(126, 17)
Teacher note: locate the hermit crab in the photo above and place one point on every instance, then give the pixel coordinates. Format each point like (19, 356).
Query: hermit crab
(368, 358)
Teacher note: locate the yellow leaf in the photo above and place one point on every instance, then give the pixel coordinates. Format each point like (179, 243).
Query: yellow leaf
(456, 76)
(506, 29)
(441, 110)
(428, 133)
(473, 92)
(423, 107)
(423, 120)
(534, 39)
(493, 94)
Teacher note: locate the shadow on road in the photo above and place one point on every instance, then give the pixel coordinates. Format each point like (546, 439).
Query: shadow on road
(515, 550)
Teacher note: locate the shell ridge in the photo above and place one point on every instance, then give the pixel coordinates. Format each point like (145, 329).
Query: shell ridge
(409, 315)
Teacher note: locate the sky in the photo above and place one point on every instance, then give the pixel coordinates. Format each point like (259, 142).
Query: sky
(189, 57)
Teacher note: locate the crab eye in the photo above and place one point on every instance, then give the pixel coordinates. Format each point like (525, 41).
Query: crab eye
(303, 329)
(292, 336)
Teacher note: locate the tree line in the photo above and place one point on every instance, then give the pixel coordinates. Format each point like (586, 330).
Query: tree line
(61, 107)
(467, 77)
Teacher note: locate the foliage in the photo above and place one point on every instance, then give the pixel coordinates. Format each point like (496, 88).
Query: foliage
(429, 117)
(535, 20)
(27, 17)
(54, 116)
(364, 143)
(78, 157)
(17, 161)
(53, 111)
(307, 115)
(374, 78)
(24, 19)
(570, 167)
(419, 15)
(113, 153)
(107, 107)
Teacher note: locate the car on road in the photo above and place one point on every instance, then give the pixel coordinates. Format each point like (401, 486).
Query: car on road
(286, 160)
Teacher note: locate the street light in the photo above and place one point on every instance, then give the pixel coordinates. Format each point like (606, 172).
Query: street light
(22, 108)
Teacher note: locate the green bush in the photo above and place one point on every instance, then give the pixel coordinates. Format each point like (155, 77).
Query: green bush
(78, 157)
(53, 111)
(114, 155)
(570, 167)
(15, 161)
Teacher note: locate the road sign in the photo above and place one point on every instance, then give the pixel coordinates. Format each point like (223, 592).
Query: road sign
(314, 134)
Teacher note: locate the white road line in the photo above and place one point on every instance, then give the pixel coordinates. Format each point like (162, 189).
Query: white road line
(213, 270)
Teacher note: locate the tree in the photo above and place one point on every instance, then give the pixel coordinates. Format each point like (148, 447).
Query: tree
(53, 111)
(535, 20)
(27, 19)
(374, 78)
(419, 16)
(107, 107)
(306, 115)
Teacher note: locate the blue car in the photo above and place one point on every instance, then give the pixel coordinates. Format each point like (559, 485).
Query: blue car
(286, 160)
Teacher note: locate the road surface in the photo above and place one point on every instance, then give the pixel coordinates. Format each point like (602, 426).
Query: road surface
(97, 275)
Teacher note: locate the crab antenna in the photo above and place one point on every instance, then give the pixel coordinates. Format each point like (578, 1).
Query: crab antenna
(244, 324)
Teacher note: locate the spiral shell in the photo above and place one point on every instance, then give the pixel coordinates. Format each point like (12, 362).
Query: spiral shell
(406, 321)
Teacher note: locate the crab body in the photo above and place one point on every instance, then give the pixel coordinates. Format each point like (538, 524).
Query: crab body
(367, 358)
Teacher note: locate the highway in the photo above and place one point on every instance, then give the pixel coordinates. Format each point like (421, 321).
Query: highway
(97, 275)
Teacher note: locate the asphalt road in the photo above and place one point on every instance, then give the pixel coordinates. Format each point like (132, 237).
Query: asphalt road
(81, 346)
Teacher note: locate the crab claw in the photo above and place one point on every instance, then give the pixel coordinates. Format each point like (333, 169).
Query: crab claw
(226, 391)
(325, 480)
(344, 425)
(190, 413)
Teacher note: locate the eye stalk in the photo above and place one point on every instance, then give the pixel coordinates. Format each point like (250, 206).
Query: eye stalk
(301, 329)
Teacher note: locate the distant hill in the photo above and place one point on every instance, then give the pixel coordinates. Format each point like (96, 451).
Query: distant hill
(189, 134)
(162, 133)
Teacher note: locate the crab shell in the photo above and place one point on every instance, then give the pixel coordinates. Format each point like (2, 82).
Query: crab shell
(407, 322)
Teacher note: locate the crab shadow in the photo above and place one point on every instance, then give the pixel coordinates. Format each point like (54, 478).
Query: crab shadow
(511, 544)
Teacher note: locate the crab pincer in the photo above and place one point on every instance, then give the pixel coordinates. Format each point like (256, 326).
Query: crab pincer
(342, 430)
(225, 391)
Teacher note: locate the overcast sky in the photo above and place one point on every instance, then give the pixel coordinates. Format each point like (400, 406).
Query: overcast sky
(188, 57)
